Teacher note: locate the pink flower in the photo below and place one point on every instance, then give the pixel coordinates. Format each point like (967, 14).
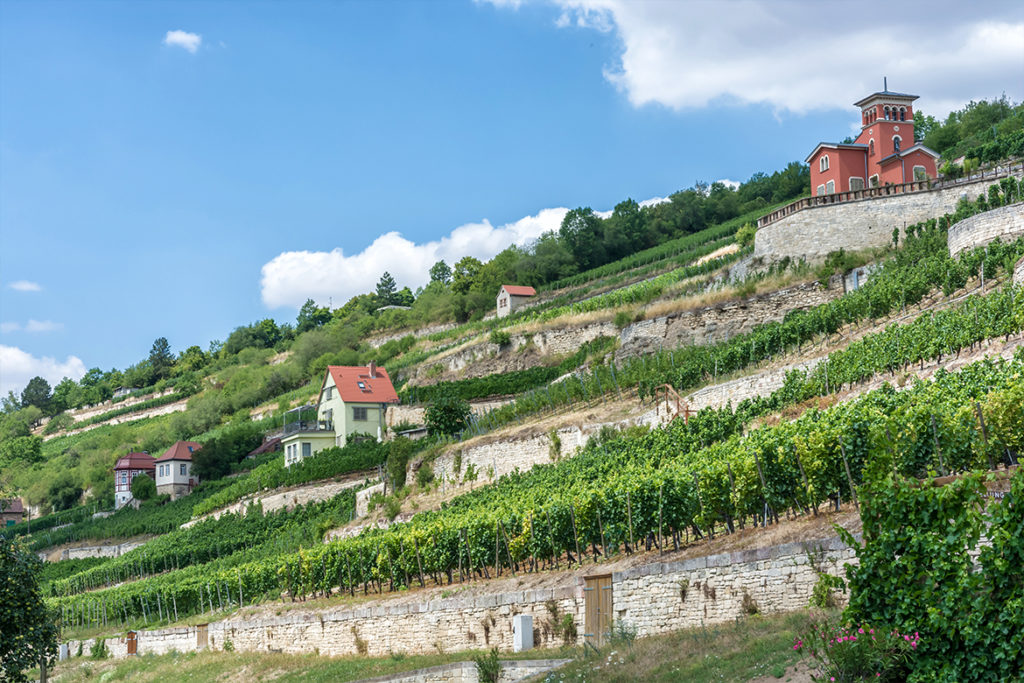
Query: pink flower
(873, 633)
(860, 630)
(914, 645)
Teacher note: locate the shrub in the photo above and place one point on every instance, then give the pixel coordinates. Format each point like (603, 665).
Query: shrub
(143, 487)
(745, 235)
(424, 475)
(99, 649)
(500, 337)
(448, 414)
(622, 319)
(862, 653)
(487, 665)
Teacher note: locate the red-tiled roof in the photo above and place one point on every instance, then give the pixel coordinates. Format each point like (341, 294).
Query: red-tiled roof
(182, 450)
(12, 506)
(135, 461)
(519, 290)
(355, 385)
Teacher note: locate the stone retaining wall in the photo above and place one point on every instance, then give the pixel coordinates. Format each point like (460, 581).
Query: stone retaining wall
(654, 598)
(1018, 273)
(865, 224)
(99, 550)
(416, 414)
(1005, 223)
(705, 325)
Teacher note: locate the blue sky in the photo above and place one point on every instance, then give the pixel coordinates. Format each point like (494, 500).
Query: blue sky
(179, 169)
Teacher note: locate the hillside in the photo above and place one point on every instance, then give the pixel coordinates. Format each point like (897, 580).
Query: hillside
(665, 415)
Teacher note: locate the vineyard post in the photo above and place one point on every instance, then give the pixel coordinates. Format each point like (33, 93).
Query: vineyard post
(159, 608)
(892, 451)
(469, 554)
(732, 496)
(661, 542)
(700, 503)
(807, 488)
(508, 548)
(220, 599)
(604, 546)
(629, 514)
(551, 536)
(533, 545)
(576, 538)
(846, 466)
(764, 489)
(458, 548)
(174, 601)
(401, 554)
(984, 434)
(419, 562)
(497, 567)
(938, 448)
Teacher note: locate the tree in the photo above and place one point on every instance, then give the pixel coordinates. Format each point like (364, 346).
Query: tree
(923, 125)
(466, 270)
(582, 232)
(28, 632)
(63, 492)
(386, 289)
(448, 414)
(311, 316)
(404, 297)
(26, 450)
(36, 393)
(191, 359)
(440, 272)
(160, 358)
(215, 458)
(143, 488)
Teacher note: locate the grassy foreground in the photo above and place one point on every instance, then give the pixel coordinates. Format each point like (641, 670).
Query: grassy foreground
(757, 646)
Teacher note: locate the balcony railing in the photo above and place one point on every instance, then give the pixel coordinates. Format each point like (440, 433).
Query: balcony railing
(308, 426)
(1000, 171)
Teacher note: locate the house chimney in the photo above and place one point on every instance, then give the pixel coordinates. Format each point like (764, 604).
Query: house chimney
(373, 369)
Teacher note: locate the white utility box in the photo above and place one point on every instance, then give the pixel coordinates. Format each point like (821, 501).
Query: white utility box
(522, 632)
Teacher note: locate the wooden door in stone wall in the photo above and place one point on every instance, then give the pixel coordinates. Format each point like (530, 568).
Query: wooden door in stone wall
(597, 595)
(132, 641)
(202, 636)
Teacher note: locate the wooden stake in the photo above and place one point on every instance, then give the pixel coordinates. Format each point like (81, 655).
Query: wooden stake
(629, 513)
(575, 536)
(984, 430)
(846, 465)
(938, 448)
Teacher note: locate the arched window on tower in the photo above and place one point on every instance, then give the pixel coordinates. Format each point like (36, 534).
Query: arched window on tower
(823, 164)
(871, 148)
(903, 113)
(887, 113)
(896, 143)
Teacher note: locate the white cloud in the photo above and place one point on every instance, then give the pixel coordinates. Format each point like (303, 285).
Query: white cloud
(32, 326)
(17, 367)
(25, 286)
(732, 184)
(798, 56)
(183, 39)
(294, 276)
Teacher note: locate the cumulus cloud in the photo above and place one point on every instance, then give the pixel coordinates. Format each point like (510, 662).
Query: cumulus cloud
(25, 286)
(17, 367)
(294, 276)
(32, 326)
(797, 57)
(183, 39)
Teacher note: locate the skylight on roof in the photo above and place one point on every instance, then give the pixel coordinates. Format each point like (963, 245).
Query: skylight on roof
(362, 385)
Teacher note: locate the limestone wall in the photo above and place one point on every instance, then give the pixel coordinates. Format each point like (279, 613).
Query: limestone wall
(654, 598)
(865, 224)
(722, 321)
(99, 550)
(1005, 223)
(466, 672)
(704, 325)
(1018, 273)
(662, 597)
(416, 414)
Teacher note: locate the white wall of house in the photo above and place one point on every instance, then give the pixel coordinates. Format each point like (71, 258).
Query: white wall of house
(123, 486)
(174, 472)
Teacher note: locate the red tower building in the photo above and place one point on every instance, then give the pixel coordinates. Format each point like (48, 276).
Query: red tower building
(884, 152)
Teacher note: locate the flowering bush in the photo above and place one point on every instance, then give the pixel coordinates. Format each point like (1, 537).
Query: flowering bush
(859, 653)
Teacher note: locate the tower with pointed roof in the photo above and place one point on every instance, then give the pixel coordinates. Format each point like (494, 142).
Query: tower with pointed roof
(884, 152)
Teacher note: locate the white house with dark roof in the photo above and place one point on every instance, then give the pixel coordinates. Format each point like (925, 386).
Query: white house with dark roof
(125, 471)
(174, 475)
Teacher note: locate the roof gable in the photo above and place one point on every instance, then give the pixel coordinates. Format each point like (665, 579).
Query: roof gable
(12, 506)
(356, 385)
(519, 290)
(135, 461)
(182, 450)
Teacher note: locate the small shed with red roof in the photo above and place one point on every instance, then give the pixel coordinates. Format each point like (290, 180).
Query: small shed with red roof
(125, 470)
(352, 401)
(512, 298)
(12, 511)
(174, 475)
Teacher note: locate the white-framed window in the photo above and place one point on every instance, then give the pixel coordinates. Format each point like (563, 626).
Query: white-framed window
(307, 449)
(359, 414)
(183, 469)
(873, 180)
(920, 174)
(856, 183)
(124, 478)
(903, 113)
(820, 191)
(830, 187)
(887, 113)
(327, 393)
(823, 163)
